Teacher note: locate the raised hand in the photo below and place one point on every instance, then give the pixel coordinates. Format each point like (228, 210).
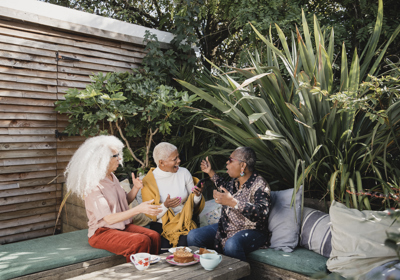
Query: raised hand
(205, 166)
(147, 208)
(137, 183)
(172, 202)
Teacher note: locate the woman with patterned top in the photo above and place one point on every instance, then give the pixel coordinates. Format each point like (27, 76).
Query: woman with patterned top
(243, 225)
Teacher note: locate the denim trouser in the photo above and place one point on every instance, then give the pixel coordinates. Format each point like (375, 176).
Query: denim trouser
(238, 246)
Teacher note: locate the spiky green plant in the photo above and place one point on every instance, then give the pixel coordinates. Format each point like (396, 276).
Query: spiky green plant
(287, 109)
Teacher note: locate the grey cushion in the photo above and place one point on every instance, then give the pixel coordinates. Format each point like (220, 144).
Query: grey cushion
(284, 220)
(358, 239)
(315, 234)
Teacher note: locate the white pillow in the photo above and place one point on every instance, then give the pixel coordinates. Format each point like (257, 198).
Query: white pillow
(210, 214)
(358, 240)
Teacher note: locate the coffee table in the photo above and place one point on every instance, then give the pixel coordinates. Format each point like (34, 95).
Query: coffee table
(229, 268)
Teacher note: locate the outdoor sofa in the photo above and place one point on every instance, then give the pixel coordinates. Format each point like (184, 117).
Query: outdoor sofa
(301, 247)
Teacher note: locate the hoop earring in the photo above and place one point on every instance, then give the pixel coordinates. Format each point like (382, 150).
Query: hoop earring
(242, 173)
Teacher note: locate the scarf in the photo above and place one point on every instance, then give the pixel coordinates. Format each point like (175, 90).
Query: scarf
(173, 225)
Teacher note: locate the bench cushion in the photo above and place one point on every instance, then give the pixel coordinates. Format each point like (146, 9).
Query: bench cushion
(358, 239)
(284, 219)
(31, 256)
(301, 260)
(315, 234)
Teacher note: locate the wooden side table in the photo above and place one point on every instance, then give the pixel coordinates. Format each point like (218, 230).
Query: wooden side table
(229, 268)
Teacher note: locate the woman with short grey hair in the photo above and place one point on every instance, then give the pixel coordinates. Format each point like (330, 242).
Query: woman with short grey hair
(173, 188)
(243, 225)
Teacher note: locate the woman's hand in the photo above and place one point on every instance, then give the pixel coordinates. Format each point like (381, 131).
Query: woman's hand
(224, 198)
(205, 166)
(197, 191)
(172, 202)
(147, 208)
(137, 183)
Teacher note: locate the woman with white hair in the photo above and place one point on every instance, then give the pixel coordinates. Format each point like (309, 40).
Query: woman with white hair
(172, 187)
(89, 174)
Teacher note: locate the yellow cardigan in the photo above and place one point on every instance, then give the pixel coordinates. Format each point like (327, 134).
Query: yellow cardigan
(173, 226)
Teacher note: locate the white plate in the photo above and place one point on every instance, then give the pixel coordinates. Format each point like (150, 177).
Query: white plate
(154, 259)
(170, 260)
(172, 250)
(212, 252)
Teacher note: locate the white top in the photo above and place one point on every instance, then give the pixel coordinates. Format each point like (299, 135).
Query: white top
(175, 184)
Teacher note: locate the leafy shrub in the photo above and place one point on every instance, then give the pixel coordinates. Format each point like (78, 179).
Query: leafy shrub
(129, 105)
(306, 116)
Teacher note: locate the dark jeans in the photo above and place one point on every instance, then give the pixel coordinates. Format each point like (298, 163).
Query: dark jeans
(164, 242)
(238, 246)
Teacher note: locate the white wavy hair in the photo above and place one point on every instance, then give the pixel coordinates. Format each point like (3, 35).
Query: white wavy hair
(89, 163)
(162, 151)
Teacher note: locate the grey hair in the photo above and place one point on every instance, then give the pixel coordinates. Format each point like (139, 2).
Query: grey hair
(247, 155)
(162, 151)
(89, 164)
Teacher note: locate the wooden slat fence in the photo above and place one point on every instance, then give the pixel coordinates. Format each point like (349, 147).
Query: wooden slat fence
(33, 75)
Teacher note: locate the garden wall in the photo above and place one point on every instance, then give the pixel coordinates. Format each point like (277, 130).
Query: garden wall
(44, 50)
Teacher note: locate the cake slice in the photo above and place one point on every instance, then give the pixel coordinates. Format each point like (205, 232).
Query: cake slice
(204, 251)
(183, 256)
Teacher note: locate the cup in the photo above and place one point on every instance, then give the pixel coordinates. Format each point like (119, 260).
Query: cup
(210, 261)
(141, 260)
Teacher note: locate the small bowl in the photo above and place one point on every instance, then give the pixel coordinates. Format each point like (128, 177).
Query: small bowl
(210, 261)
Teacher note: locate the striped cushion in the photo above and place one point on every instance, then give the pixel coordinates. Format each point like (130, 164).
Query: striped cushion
(315, 232)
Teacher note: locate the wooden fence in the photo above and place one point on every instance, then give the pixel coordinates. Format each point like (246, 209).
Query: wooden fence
(37, 65)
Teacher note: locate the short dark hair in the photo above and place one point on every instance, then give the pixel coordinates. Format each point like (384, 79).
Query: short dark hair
(247, 155)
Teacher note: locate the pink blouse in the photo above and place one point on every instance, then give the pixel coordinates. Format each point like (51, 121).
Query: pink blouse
(107, 198)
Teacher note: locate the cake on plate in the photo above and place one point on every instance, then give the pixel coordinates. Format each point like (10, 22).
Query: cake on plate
(183, 256)
(204, 251)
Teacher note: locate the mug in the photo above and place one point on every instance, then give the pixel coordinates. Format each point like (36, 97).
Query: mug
(141, 260)
(210, 261)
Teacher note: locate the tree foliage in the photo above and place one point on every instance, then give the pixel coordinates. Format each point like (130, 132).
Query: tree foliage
(294, 112)
(221, 30)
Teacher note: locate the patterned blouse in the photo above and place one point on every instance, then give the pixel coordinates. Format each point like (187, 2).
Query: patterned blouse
(251, 212)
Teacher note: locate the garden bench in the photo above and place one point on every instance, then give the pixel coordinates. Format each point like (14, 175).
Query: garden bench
(68, 255)
(54, 257)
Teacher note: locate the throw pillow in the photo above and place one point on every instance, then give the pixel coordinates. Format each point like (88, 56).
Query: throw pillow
(358, 240)
(315, 234)
(210, 214)
(139, 219)
(284, 220)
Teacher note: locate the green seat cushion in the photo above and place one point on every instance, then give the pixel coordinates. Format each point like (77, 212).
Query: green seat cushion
(301, 260)
(26, 257)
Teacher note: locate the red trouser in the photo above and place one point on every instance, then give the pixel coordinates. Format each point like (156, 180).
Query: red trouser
(133, 239)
